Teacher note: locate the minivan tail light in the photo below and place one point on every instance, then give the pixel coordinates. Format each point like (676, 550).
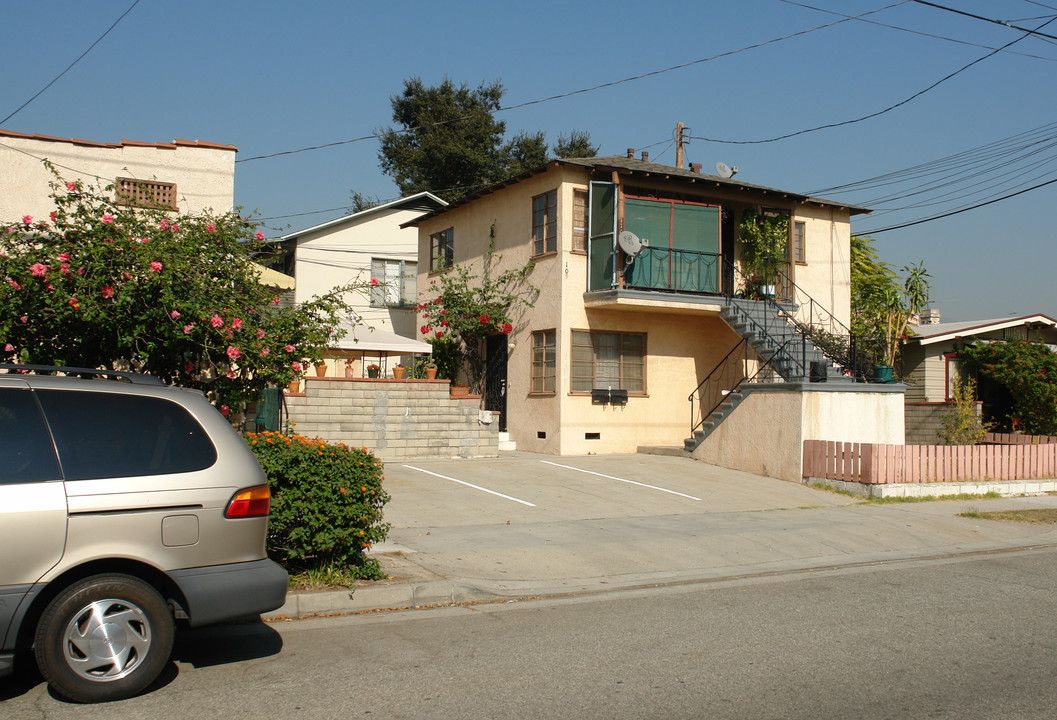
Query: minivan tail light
(249, 503)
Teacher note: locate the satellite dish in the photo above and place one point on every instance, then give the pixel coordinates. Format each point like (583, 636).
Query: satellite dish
(629, 242)
(726, 171)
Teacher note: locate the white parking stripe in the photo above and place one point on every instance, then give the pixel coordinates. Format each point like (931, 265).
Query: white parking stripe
(631, 482)
(475, 487)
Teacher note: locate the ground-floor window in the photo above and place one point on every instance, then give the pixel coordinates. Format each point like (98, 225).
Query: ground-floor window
(543, 361)
(608, 360)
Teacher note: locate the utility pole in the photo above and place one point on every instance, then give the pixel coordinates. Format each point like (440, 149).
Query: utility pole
(679, 145)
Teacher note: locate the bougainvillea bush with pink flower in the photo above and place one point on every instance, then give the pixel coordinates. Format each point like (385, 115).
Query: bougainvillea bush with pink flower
(463, 307)
(102, 285)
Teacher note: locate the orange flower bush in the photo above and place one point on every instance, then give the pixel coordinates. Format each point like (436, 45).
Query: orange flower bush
(327, 503)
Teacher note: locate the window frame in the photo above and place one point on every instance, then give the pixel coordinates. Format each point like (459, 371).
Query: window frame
(540, 366)
(379, 293)
(799, 258)
(545, 233)
(442, 241)
(580, 233)
(624, 362)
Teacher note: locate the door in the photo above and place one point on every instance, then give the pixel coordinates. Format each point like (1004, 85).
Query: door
(495, 377)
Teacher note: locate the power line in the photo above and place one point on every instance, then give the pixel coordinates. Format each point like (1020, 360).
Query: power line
(581, 91)
(916, 95)
(914, 32)
(41, 92)
(1003, 23)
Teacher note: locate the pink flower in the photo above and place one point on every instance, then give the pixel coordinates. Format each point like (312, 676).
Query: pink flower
(174, 314)
(9, 348)
(260, 334)
(126, 276)
(108, 292)
(71, 186)
(108, 240)
(108, 218)
(27, 219)
(53, 215)
(144, 241)
(64, 257)
(296, 366)
(188, 328)
(289, 348)
(38, 270)
(155, 266)
(440, 333)
(436, 301)
(275, 300)
(74, 304)
(233, 352)
(236, 323)
(443, 312)
(64, 268)
(176, 228)
(14, 284)
(217, 321)
(507, 328)
(164, 224)
(211, 228)
(264, 352)
(374, 281)
(444, 323)
(225, 410)
(485, 319)
(424, 329)
(230, 374)
(259, 235)
(24, 318)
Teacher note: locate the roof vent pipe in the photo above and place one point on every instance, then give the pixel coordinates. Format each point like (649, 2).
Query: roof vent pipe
(695, 167)
(645, 156)
(631, 152)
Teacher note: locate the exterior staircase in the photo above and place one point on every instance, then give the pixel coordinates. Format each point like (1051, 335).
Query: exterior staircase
(784, 351)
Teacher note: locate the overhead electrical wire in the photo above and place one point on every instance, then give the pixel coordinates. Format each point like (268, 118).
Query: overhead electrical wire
(842, 123)
(581, 91)
(81, 57)
(1003, 23)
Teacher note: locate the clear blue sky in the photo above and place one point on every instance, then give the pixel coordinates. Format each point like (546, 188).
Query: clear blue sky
(278, 76)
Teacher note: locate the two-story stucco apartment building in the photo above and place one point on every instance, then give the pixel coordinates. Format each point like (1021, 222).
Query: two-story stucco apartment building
(621, 336)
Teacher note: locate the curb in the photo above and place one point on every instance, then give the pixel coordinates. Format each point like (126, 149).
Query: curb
(365, 599)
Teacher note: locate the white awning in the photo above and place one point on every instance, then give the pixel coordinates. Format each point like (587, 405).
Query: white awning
(364, 339)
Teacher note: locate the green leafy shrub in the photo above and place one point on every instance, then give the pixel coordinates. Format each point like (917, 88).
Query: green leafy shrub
(326, 503)
(961, 425)
(1028, 370)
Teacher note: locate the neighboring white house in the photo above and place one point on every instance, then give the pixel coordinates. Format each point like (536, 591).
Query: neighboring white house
(184, 176)
(361, 246)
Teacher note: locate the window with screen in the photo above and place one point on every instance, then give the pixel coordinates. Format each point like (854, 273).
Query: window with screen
(608, 360)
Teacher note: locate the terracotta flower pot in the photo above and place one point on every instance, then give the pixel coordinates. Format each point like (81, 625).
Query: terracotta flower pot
(398, 372)
(431, 373)
(321, 370)
(295, 386)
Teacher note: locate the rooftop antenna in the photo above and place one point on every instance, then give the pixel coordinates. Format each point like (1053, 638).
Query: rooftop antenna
(726, 171)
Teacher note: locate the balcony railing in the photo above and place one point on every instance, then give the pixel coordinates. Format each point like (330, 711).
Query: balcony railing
(676, 270)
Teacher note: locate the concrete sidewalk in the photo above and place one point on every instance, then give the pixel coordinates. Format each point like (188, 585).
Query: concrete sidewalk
(597, 524)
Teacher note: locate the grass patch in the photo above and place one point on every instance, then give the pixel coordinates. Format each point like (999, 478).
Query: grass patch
(335, 577)
(1038, 516)
(894, 500)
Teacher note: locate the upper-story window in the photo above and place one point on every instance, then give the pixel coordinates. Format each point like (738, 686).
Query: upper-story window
(579, 221)
(545, 223)
(396, 285)
(799, 250)
(146, 194)
(441, 249)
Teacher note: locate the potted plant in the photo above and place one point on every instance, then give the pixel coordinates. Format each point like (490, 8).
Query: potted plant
(373, 370)
(898, 306)
(765, 239)
(321, 368)
(398, 371)
(431, 369)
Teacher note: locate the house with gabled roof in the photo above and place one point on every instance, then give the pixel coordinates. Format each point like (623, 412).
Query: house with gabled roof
(650, 329)
(369, 244)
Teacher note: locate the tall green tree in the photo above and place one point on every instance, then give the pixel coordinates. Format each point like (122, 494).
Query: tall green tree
(448, 141)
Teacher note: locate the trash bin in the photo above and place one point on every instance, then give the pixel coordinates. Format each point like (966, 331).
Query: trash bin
(819, 371)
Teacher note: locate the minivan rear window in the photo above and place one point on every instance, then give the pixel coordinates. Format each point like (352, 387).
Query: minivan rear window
(103, 434)
(26, 452)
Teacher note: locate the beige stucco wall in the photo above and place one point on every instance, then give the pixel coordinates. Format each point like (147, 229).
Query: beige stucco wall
(765, 434)
(204, 174)
(826, 276)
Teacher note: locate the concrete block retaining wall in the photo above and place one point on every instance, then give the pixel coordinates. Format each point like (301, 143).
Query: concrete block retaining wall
(394, 418)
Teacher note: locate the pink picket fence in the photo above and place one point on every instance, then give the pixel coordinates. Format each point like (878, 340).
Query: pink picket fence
(1018, 439)
(874, 464)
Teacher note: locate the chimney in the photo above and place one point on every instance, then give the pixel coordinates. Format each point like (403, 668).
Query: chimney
(645, 156)
(930, 316)
(631, 152)
(695, 167)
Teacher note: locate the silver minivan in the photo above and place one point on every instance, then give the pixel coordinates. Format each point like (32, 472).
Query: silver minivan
(126, 507)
